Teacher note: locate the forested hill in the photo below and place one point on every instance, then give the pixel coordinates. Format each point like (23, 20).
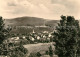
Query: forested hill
(30, 21)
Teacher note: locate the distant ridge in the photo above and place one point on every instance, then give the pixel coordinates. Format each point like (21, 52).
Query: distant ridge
(30, 21)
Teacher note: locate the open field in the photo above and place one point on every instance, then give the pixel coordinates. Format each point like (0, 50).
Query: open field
(33, 48)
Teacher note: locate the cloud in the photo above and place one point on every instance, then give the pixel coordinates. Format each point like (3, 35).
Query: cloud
(73, 6)
(49, 9)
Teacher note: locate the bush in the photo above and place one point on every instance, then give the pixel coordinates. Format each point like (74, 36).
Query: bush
(32, 55)
(38, 54)
(47, 52)
(19, 52)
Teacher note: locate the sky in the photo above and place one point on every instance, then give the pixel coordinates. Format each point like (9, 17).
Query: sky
(48, 9)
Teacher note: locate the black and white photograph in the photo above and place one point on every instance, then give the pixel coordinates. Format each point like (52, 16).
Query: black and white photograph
(39, 28)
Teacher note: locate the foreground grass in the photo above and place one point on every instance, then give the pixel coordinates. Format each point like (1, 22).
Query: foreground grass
(34, 48)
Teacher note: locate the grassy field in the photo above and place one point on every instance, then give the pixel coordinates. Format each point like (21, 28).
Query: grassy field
(33, 48)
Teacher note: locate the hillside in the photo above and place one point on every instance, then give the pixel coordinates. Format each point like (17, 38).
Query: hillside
(30, 21)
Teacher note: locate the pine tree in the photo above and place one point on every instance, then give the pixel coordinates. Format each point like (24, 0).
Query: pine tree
(2, 37)
(66, 37)
(50, 51)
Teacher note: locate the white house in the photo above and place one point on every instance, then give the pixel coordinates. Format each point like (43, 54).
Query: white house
(38, 37)
(24, 37)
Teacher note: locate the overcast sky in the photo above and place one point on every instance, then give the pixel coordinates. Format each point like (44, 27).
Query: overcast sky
(48, 9)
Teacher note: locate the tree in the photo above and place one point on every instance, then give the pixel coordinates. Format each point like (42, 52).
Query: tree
(38, 54)
(4, 33)
(66, 37)
(47, 52)
(19, 52)
(16, 51)
(50, 51)
(2, 37)
(78, 51)
(32, 55)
